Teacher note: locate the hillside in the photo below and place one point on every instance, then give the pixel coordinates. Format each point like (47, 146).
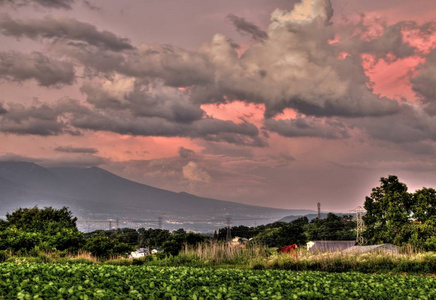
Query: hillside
(96, 194)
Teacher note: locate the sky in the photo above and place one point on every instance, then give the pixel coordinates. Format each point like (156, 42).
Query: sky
(279, 103)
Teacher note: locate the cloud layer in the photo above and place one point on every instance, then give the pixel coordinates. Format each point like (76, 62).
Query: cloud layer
(256, 106)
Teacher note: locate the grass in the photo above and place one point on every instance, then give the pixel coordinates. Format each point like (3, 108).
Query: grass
(224, 255)
(259, 257)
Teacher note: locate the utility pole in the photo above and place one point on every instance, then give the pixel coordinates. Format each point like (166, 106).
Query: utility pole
(319, 211)
(159, 220)
(118, 224)
(229, 228)
(360, 226)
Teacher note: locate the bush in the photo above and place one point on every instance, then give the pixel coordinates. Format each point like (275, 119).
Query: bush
(3, 256)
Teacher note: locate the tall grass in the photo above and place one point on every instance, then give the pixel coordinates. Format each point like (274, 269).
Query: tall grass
(367, 262)
(259, 257)
(226, 253)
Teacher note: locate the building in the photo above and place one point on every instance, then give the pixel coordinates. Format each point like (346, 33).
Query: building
(384, 248)
(329, 246)
(141, 252)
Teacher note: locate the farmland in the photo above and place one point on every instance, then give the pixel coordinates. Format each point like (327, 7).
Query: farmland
(89, 281)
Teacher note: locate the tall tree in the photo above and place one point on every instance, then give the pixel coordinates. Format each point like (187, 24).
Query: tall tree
(388, 209)
(45, 229)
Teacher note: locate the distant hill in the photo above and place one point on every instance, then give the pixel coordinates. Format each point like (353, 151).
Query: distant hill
(310, 216)
(96, 194)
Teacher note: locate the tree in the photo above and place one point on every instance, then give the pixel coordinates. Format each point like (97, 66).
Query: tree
(47, 229)
(104, 246)
(281, 234)
(153, 238)
(178, 238)
(424, 204)
(388, 209)
(422, 230)
(398, 217)
(48, 219)
(333, 227)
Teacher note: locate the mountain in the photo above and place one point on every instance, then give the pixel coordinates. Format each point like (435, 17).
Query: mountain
(96, 195)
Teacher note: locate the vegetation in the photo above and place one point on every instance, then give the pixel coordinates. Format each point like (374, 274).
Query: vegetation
(33, 229)
(37, 281)
(398, 217)
(299, 231)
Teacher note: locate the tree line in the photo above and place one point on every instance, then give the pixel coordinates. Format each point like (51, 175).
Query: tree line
(393, 215)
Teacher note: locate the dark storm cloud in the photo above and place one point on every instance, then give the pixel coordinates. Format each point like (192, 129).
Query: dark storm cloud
(389, 45)
(186, 153)
(2, 109)
(64, 4)
(15, 66)
(71, 149)
(55, 3)
(60, 161)
(16, 157)
(77, 160)
(60, 28)
(69, 116)
(91, 6)
(307, 127)
(411, 125)
(143, 99)
(245, 27)
(296, 67)
(176, 66)
(126, 123)
(21, 120)
(424, 83)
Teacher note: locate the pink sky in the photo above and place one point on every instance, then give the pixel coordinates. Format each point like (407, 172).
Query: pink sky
(248, 101)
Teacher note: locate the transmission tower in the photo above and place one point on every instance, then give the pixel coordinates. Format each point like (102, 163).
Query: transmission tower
(319, 210)
(360, 226)
(229, 228)
(159, 220)
(110, 224)
(118, 224)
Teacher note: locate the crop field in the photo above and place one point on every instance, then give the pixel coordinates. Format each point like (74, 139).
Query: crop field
(83, 281)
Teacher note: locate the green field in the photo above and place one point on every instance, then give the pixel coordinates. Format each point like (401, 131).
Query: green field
(83, 281)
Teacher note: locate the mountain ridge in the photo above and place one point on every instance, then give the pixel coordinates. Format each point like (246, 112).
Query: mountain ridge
(95, 193)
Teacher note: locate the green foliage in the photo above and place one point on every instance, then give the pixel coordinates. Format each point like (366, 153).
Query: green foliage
(4, 255)
(152, 238)
(29, 230)
(333, 228)
(104, 246)
(173, 245)
(398, 217)
(280, 234)
(64, 281)
(387, 210)
(47, 220)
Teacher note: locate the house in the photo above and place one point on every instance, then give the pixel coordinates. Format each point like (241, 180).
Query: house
(329, 246)
(239, 241)
(384, 248)
(156, 250)
(141, 252)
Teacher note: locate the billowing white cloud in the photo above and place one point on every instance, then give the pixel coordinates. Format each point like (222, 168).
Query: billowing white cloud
(194, 173)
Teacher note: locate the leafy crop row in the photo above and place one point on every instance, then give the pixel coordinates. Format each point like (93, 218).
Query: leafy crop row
(79, 281)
